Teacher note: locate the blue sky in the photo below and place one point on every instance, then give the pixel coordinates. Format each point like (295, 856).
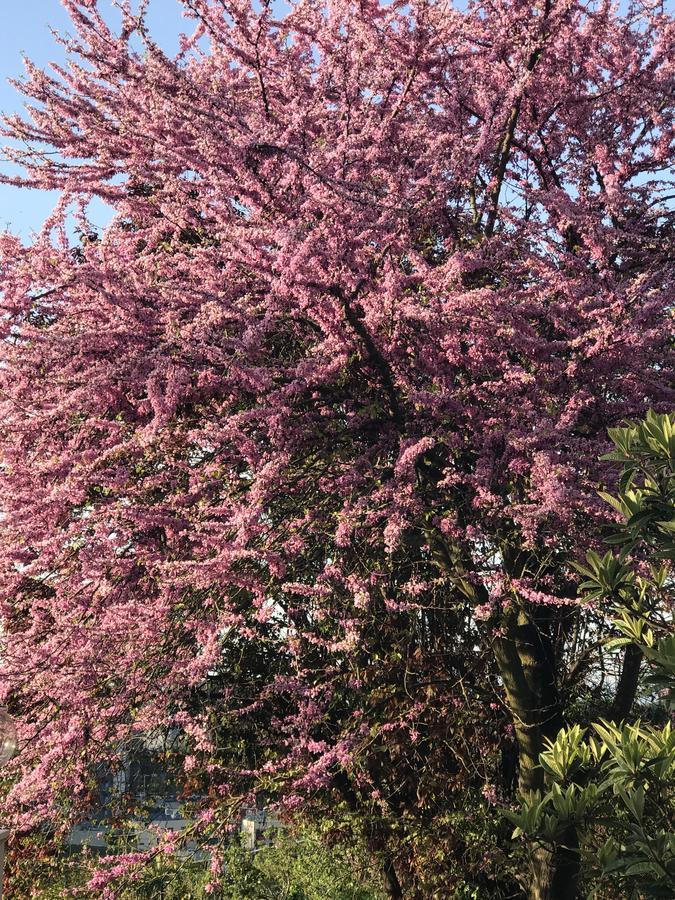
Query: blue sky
(25, 29)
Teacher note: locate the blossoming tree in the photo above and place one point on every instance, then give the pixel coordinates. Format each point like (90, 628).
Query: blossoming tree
(287, 449)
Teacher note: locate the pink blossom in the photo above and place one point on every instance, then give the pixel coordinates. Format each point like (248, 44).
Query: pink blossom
(371, 294)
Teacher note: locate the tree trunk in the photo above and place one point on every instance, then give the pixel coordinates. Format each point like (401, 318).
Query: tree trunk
(555, 873)
(378, 841)
(527, 667)
(628, 683)
(391, 883)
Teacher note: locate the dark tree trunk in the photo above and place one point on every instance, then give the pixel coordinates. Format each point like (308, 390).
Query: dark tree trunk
(392, 885)
(527, 666)
(628, 683)
(555, 873)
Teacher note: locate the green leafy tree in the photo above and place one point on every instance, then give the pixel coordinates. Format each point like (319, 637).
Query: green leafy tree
(613, 784)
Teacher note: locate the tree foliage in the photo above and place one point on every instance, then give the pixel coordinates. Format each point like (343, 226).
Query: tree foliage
(617, 782)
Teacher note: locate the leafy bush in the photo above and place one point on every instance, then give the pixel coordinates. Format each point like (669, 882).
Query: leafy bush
(616, 782)
(297, 865)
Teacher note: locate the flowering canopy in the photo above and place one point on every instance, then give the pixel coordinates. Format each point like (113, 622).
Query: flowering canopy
(378, 279)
